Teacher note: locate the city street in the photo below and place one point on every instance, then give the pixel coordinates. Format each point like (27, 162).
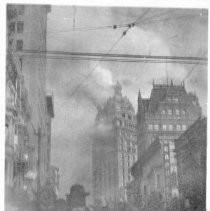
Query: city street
(106, 108)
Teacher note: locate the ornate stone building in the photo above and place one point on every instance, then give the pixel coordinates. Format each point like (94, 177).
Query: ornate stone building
(114, 149)
(161, 119)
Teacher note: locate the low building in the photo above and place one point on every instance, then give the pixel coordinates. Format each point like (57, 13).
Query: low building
(191, 162)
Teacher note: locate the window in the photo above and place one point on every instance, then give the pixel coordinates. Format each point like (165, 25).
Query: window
(183, 112)
(167, 173)
(134, 150)
(184, 127)
(150, 127)
(158, 180)
(125, 144)
(172, 145)
(177, 112)
(123, 115)
(175, 99)
(170, 127)
(20, 26)
(164, 127)
(118, 123)
(166, 157)
(21, 10)
(129, 117)
(178, 127)
(167, 165)
(156, 127)
(129, 148)
(165, 148)
(169, 99)
(21, 63)
(169, 112)
(19, 45)
(10, 42)
(16, 129)
(145, 190)
(121, 144)
(122, 158)
(12, 27)
(163, 111)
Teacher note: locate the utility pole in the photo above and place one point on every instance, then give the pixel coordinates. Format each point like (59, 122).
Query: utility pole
(38, 162)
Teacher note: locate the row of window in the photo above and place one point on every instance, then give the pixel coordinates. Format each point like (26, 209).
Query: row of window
(128, 159)
(177, 112)
(132, 148)
(127, 125)
(16, 27)
(127, 116)
(165, 127)
(128, 135)
(173, 99)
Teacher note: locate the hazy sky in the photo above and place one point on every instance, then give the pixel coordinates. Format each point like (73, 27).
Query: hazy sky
(183, 33)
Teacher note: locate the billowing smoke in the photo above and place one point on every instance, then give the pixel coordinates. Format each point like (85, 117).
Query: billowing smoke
(75, 122)
(95, 88)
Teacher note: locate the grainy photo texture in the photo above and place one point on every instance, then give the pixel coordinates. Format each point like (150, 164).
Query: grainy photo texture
(106, 108)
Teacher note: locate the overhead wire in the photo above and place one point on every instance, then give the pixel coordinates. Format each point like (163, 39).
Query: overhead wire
(94, 68)
(111, 57)
(114, 26)
(190, 72)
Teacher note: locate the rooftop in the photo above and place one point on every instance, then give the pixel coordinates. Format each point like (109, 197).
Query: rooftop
(159, 93)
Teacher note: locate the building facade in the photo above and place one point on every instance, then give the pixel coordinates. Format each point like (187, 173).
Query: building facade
(161, 119)
(191, 154)
(114, 149)
(27, 114)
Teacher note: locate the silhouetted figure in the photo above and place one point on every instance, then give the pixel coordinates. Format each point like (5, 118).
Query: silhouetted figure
(76, 200)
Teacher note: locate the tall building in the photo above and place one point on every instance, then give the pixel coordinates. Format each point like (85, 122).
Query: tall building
(27, 114)
(161, 119)
(114, 149)
(191, 162)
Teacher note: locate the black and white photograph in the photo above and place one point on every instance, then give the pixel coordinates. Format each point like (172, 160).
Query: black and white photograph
(105, 108)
